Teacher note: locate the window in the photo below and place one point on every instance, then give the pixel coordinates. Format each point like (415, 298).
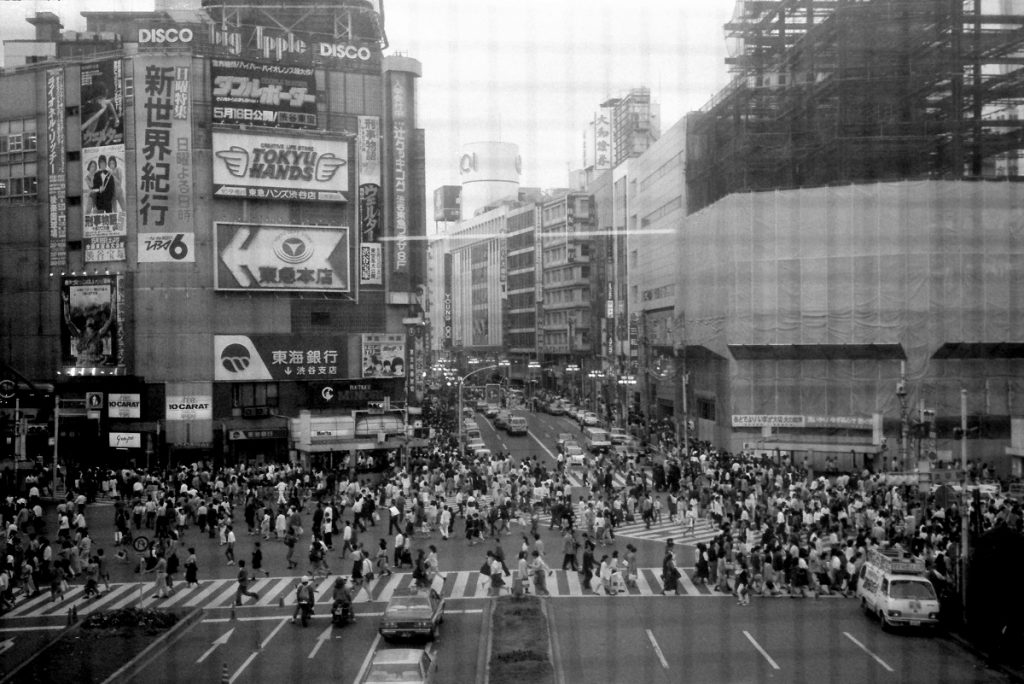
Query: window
(254, 394)
(320, 317)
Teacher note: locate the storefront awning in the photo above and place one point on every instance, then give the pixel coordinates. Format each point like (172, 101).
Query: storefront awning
(388, 423)
(815, 352)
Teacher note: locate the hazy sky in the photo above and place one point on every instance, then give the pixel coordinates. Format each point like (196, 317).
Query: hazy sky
(529, 72)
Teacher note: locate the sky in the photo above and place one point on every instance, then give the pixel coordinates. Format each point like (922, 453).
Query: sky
(529, 72)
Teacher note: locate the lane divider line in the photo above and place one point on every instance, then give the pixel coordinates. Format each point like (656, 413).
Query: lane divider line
(367, 659)
(657, 649)
(760, 650)
(253, 655)
(865, 649)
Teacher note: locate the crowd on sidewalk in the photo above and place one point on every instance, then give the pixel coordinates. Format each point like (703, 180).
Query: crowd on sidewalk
(780, 527)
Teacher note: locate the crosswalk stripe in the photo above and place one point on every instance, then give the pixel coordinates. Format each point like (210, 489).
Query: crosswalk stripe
(201, 596)
(61, 605)
(116, 592)
(389, 589)
(482, 587)
(179, 595)
(272, 594)
(688, 586)
(322, 589)
(652, 579)
(573, 582)
(642, 587)
(227, 596)
(132, 597)
(459, 586)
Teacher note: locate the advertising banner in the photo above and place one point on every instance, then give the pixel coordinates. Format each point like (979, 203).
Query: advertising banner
(124, 405)
(371, 264)
(163, 129)
(125, 440)
(167, 248)
(102, 104)
(263, 94)
(369, 160)
(383, 355)
(56, 169)
(277, 167)
(281, 257)
(766, 420)
(400, 134)
(603, 139)
(104, 227)
(249, 358)
(92, 325)
(353, 393)
(447, 313)
(189, 407)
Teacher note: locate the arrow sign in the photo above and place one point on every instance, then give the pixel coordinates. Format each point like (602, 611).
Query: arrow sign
(219, 642)
(284, 257)
(6, 645)
(324, 636)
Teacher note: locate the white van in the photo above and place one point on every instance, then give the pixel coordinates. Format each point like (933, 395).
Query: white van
(896, 590)
(517, 425)
(596, 439)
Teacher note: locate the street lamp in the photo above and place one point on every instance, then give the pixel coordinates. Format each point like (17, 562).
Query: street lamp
(462, 381)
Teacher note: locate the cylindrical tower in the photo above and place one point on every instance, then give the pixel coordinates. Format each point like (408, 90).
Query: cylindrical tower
(489, 172)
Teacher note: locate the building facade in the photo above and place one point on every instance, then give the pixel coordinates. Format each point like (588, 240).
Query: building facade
(212, 237)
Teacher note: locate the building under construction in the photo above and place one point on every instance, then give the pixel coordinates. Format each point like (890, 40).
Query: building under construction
(839, 91)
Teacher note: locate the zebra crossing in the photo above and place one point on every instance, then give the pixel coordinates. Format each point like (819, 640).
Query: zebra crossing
(678, 531)
(220, 593)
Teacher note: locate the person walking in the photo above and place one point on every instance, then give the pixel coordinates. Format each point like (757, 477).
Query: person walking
(243, 584)
(257, 561)
(191, 569)
(383, 568)
(540, 571)
(569, 546)
(229, 539)
(669, 571)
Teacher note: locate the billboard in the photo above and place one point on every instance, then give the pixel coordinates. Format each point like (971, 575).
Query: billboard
(188, 407)
(371, 264)
(446, 336)
(446, 202)
(56, 169)
(276, 257)
(277, 167)
(368, 159)
(163, 130)
(167, 248)
(102, 109)
(383, 355)
(124, 405)
(402, 118)
(263, 94)
(249, 358)
(92, 325)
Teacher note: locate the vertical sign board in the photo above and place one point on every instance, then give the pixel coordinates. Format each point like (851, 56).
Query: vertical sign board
(56, 169)
(603, 140)
(93, 325)
(163, 129)
(368, 159)
(402, 118)
(447, 336)
(104, 226)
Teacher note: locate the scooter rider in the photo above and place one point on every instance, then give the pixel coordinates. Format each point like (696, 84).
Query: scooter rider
(303, 594)
(342, 597)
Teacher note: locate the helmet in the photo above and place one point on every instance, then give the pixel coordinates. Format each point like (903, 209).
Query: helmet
(305, 579)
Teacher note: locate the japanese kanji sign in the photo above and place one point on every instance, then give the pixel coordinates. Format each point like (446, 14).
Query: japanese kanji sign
(247, 358)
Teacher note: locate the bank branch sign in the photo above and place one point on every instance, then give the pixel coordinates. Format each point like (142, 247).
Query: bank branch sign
(277, 167)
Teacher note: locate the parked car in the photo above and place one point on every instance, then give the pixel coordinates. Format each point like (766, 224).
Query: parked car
(574, 454)
(413, 614)
(405, 665)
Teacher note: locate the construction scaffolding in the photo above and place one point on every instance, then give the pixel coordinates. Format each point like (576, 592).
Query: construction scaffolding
(839, 91)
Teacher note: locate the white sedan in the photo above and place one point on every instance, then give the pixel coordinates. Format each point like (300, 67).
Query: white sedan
(574, 454)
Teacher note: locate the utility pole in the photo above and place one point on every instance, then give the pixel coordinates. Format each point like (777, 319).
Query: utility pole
(964, 501)
(901, 394)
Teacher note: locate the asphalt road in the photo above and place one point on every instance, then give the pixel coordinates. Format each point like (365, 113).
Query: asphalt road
(794, 641)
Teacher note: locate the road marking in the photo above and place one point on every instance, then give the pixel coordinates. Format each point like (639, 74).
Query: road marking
(763, 652)
(212, 587)
(276, 592)
(324, 636)
(541, 444)
(657, 649)
(367, 659)
(31, 629)
(221, 640)
(114, 594)
(252, 656)
(865, 649)
(6, 645)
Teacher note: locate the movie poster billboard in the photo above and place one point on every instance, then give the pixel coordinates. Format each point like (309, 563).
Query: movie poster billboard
(257, 358)
(255, 94)
(291, 258)
(164, 172)
(56, 169)
(383, 355)
(102, 108)
(277, 167)
(104, 226)
(93, 325)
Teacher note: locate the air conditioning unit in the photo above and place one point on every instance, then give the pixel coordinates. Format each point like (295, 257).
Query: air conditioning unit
(249, 412)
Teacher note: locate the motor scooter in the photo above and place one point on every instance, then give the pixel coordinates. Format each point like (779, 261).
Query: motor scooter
(305, 610)
(341, 613)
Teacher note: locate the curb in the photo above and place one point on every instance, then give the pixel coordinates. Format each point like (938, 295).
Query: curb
(1016, 673)
(135, 665)
(554, 652)
(483, 655)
